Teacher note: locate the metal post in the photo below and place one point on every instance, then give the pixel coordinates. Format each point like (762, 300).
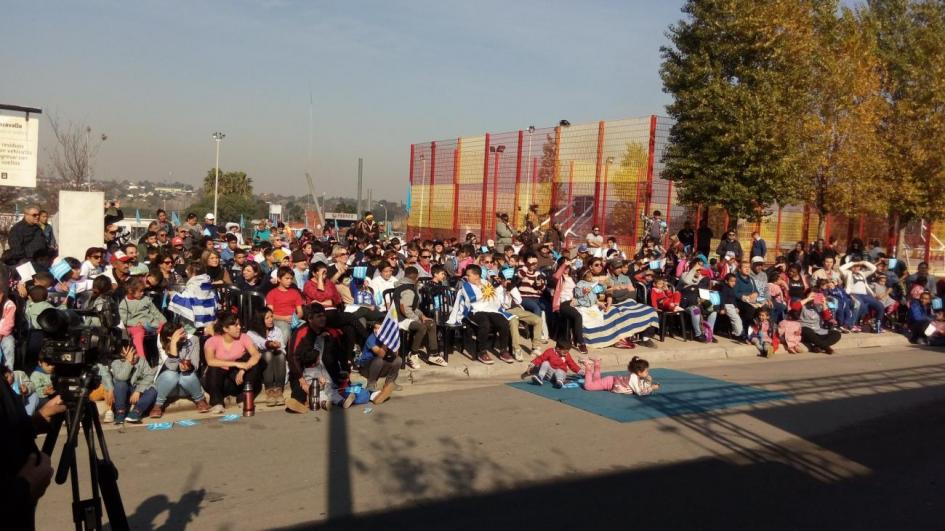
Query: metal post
(218, 137)
(457, 153)
(534, 182)
(597, 172)
(432, 182)
(495, 193)
(603, 207)
(518, 180)
(651, 155)
(928, 239)
(485, 188)
(423, 172)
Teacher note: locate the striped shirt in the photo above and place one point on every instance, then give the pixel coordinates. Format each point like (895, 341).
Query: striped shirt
(531, 283)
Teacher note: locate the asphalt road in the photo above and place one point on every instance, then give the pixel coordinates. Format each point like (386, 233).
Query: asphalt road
(857, 446)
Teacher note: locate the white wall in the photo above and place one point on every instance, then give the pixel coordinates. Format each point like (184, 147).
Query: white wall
(80, 222)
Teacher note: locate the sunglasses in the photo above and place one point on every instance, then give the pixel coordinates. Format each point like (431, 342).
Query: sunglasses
(96, 256)
(168, 262)
(426, 256)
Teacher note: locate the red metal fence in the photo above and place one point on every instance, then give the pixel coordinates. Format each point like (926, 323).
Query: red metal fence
(607, 173)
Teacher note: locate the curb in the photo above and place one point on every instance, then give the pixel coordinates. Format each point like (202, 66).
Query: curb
(463, 368)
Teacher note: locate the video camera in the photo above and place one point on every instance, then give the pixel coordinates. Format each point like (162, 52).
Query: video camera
(75, 348)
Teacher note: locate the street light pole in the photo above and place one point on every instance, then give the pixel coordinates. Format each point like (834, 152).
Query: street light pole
(218, 137)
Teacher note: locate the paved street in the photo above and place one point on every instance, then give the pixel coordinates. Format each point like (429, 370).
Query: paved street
(856, 445)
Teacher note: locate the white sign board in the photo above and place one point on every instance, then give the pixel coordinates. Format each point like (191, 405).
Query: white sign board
(81, 220)
(19, 146)
(341, 216)
(275, 210)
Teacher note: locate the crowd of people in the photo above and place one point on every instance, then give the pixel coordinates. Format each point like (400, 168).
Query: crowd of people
(317, 319)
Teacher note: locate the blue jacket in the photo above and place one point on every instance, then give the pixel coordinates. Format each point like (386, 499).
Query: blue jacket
(759, 248)
(917, 312)
(744, 286)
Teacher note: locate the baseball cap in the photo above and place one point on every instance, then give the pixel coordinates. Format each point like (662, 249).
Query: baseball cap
(757, 260)
(209, 216)
(177, 241)
(582, 248)
(120, 257)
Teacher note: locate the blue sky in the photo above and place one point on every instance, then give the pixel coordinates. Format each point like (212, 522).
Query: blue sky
(160, 77)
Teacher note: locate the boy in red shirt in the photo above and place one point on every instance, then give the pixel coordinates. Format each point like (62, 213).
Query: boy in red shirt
(553, 365)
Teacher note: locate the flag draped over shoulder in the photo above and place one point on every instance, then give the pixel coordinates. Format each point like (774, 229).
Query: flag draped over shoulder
(389, 334)
(466, 297)
(198, 301)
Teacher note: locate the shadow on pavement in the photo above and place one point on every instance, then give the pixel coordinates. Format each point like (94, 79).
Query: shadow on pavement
(180, 513)
(903, 489)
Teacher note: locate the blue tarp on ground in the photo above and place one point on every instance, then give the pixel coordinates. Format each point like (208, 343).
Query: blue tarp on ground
(681, 393)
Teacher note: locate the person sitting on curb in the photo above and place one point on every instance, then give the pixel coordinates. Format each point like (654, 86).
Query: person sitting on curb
(553, 365)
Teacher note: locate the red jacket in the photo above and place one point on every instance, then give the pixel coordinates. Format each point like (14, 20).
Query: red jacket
(557, 361)
(329, 298)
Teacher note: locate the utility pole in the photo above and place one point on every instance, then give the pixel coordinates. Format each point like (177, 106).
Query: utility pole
(360, 176)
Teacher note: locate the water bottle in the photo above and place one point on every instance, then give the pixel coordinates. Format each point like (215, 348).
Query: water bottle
(249, 406)
(311, 396)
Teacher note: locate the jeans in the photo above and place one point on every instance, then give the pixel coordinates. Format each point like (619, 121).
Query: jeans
(123, 391)
(221, 382)
(488, 322)
(8, 350)
(867, 303)
(424, 332)
(570, 321)
(733, 317)
(546, 372)
(379, 368)
(273, 376)
(532, 321)
(169, 381)
(535, 305)
(695, 315)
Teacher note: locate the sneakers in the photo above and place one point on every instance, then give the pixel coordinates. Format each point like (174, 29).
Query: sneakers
(270, 398)
(384, 394)
(202, 406)
(280, 396)
(856, 330)
(217, 410)
(119, 419)
(413, 361)
(536, 380)
(506, 357)
(648, 342)
(133, 418)
(437, 360)
(109, 416)
(557, 384)
(156, 412)
(519, 355)
(349, 400)
(486, 358)
(294, 406)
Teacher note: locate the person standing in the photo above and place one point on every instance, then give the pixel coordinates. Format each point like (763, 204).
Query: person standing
(758, 246)
(47, 229)
(26, 239)
(595, 242)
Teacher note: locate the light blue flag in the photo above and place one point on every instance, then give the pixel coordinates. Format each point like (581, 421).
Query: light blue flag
(138, 216)
(175, 219)
(407, 207)
(242, 222)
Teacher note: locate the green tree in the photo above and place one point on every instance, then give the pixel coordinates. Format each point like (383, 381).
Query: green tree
(911, 40)
(234, 183)
(738, 76)
(842, 148)
(346, 206)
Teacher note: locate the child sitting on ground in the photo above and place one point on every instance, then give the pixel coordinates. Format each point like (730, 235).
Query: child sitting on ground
(22, 388)
(662, 297)
(41, 380)
(637, 382)
(133, 384)
(790, 329)
(761, 333)
(138, 314)
(553, 365)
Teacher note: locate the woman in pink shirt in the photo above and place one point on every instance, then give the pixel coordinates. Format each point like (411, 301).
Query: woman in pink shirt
(232, 360)
(7, 320)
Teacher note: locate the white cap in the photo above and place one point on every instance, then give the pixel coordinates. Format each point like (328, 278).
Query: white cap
(209, 216)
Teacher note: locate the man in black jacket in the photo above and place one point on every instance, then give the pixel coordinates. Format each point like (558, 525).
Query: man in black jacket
(26, 238)
(24, 471)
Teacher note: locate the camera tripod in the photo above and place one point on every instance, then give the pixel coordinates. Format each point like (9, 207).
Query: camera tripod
(87, 513)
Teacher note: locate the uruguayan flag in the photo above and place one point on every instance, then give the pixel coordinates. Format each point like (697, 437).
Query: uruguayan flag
(197, 303)
(389, 334)
(471, 299)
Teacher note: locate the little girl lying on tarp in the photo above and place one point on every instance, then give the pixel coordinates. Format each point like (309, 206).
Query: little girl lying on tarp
(637, 382)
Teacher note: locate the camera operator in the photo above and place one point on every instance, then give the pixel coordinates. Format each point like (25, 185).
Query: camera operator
(25, 472)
